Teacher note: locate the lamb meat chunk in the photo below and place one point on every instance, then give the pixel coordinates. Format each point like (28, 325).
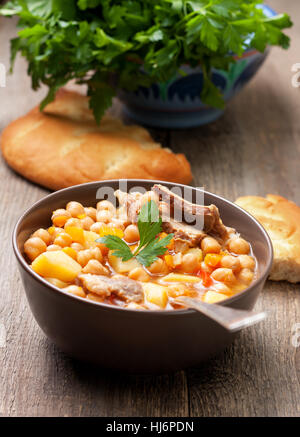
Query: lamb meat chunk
(125, 288)
(95, 284)
(131, 202)
(211, 217)
(183, 233)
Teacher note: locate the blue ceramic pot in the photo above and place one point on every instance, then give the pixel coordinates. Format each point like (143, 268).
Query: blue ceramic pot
(176, 104)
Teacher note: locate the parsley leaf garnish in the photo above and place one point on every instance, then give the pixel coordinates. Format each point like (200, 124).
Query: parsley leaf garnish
(150, 246)
(119, 247)
(156, 247)
(149, 223)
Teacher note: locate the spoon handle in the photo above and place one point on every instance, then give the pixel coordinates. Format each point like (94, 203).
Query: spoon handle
(230, 318)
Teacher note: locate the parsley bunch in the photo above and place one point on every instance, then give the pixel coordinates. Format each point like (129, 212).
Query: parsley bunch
(150, 245)
(124, 44)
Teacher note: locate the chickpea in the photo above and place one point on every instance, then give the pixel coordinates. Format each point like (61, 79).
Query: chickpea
(177, 259)
(63, 240)
(116, 223)
(95, 268)
(54, 231)
(230, 262)
(177, 290)
(210, 245)
(190, 263)
(75, 289)
(246, 276)
(139, 274)
(52, 247)
(131, 234)
(158, 267)
(105, 205)
(247, 262)
(95, 227)
(91, 212)
(76, 222)
(75, 209)
(223, 275)
(96, 254)
(222, 288)
(43, 235)
(77, 246)
(59, 217)
(57, 282)
(197, 252)
(104, 216)
(94, 297)
(33, 247)
(239, 246)
(86, 223)
(84, 256)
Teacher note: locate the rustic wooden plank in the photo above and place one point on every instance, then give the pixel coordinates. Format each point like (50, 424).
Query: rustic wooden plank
(254, 148)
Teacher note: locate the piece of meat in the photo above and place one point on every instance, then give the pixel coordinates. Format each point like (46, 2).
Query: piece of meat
(125, 288)
(183, 232)
(131, 202)
(212, 222)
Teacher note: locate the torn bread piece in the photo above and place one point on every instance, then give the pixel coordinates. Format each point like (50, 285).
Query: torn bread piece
(281, 219)
(63, 146)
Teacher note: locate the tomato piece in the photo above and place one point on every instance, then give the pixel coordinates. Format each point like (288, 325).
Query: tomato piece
(205, 276)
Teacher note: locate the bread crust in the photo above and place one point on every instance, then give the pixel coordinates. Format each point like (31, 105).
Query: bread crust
(63, 146)
(281, 219)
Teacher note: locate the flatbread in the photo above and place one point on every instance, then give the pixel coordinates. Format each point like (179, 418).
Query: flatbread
(63, 146)
(281, 219)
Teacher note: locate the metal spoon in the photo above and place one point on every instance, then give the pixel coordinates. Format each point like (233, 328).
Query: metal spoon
(230, 318)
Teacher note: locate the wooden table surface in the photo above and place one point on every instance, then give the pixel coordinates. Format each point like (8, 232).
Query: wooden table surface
(253, 149)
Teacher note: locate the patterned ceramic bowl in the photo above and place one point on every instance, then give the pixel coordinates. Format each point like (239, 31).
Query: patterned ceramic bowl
(176, 104)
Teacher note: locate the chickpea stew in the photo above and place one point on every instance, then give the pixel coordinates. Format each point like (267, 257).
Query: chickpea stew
(74, 254)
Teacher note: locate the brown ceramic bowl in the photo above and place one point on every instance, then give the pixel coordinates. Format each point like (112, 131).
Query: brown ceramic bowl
(130, 340)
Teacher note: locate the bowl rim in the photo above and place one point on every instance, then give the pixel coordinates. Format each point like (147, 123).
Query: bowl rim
(22, 261)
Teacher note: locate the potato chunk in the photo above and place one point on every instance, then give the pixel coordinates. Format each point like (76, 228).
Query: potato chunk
(156, 294)
(75, 233)
(177, 277)
(120, 266)
(56, 264)
(214, 297)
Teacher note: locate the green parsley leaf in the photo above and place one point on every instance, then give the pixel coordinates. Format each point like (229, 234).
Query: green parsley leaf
(127, 44)
(150, 246)
(119, 247)
(150, 252)
(101, 93)
(149, 223)
(85, 4)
